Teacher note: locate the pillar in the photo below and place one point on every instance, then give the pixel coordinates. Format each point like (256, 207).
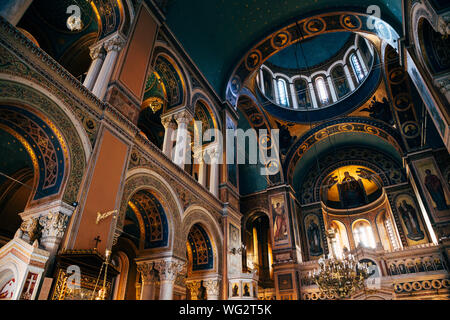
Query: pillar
(112, 46)
(214, 175)
(349, 78)
(201, 167)
(294, 95)
(149, 278)
(13, 10)
(46, 224)
(168, 271)
(98, 56)
(182, 147)
(331, 88)
(313, 95)
(169, 127)
(261, 81)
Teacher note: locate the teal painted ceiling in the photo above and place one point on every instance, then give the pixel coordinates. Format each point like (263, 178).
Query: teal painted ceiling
(348, 139)
(14, 156)
(310, 52)
(217, 33)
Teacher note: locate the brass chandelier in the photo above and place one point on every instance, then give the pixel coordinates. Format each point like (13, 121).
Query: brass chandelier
(340, 277)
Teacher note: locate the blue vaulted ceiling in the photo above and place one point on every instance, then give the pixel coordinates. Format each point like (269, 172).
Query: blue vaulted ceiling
(218, 33)
(311, 52)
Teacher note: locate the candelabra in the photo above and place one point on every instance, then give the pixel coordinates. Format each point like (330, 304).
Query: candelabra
(340, 278)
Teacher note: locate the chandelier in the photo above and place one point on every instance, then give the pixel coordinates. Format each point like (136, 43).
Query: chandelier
(339, 276)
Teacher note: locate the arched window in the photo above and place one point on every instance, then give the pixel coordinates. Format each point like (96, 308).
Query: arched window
(363, 234)
(302, 90)
(322, 91)
(283, 99)
(340, 81)
(357, 68)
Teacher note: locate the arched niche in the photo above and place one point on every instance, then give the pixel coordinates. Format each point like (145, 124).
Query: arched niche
(257, 239)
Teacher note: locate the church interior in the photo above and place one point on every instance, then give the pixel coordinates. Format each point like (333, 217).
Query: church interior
(224, 150)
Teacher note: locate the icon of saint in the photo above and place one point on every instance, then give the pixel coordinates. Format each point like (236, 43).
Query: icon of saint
(409, 216)
(436, 191)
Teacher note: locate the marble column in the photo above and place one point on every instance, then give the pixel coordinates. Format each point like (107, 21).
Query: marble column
(294, 95)
(98, 56)
(112, 46)
(313, 95)
(169, 128)
(214, 175)
(182, 147)
(349, 78)
(13, 10)
(168, 271)
(201, 167)
(149, 278)
(261, 81)
(331, 88)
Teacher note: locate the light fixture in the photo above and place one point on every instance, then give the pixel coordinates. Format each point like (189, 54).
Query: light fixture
(339, 278)
(239, 250)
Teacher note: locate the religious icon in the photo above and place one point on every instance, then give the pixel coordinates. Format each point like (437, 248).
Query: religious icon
(246, 290)
(352, 191)
(340, 81)
(435, 189)
(235, 292)
(279, 219)
(314, 235)
(7, 292)
(409, 216)
(201, 294)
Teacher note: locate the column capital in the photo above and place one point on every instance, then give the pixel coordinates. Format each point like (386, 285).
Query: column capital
(114, 43)
(53, 225)
(212, 287)
(97, 52)
(169, 268)
(148, 272)
(183, 117)
(213, 152)
(167, 122)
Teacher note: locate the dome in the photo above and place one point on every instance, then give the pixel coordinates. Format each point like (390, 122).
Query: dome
(350, 187)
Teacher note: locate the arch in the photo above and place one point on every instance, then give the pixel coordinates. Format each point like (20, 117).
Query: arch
(342, 239)
(363, 233)
(59, 121)
(145, 179)
(76, 59)
(196, 214)
(200, 252)
(257, 237)
(8, 272)
(199, 94)
(340, 81)
(45, 145)
(172, 69)
(312, 26)
(152, 219)
(109, 21)
(302, 92)
(419, 13)
(123, 264)
(374, 133)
